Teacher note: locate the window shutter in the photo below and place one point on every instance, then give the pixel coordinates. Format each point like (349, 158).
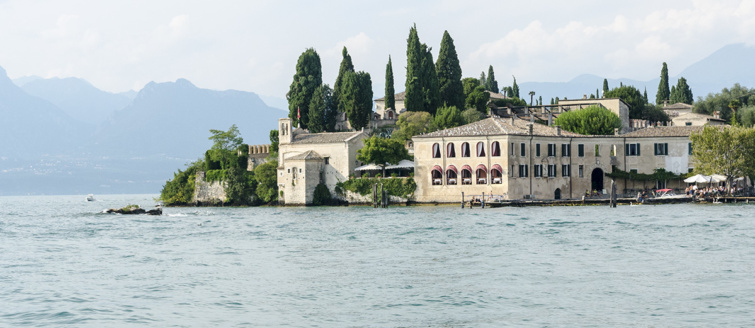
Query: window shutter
(638, 149)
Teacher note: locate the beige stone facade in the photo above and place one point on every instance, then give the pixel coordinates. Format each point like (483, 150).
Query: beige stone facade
(517, 159)
(390, 113)
(308, 159)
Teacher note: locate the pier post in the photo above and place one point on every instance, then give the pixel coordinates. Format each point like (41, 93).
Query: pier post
(462, 199)
(613, 193)
(482, 201)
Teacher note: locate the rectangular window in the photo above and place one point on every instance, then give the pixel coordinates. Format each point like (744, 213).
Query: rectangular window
(327, 160)
(538, 170)
(551, 150)
(633, 171)
(512, 171)
(689, 147)
(565, 170)
(597, 150)
(581, 171)
(537, 150)
(581, 150)
(566, 150)
(521, 149)
(513, 150)
(660, 149)
(551, 170)
(523, 171)
(632, 149)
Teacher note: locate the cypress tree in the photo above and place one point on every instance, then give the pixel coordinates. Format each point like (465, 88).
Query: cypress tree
(645, 95)
(540, 101)
(357, 98)
(663, 91)
(605, 87)
(413, 97)
(515, 88)
(429, 82)
(673, 96)
(509, 92)
(491, 84)
(449, 74)
(483, 79)
(346, 66)
(390, 100)
(317, 111)
(308, 77)
(681, 93)
(552, 101)
(597, 93)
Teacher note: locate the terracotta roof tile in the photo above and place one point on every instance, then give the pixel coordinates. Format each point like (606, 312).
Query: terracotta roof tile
(325, 137)
(499, 126)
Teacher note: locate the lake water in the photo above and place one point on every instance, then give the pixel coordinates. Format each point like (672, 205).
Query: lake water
(63, 263)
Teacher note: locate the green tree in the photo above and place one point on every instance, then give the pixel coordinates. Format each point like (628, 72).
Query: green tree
(681, 93)
(593, 120)
(322, 114)
(509, 92)
(448, 117)
(483, 79)
(471, 115)
(719, 102)
(226, 140)
(645, 95)
(663, 89)
(274, 143)
(413, 97)
(478, 99)
(356, 98)
(515, 89)
(729, 151)
(382, 151)
(411, 124)
(746, 116)
(429, 81)
(540, 100)
(240, 186)
(605, 87)
(449, 73)
(390, 92)
(491, 84)
(180, 189)
(308, 77)
(468, 85)
(267, 181)
(734, 105)
(638, 108)
(346, 66)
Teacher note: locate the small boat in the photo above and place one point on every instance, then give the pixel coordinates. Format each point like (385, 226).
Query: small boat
(668, 193)
(90, 198)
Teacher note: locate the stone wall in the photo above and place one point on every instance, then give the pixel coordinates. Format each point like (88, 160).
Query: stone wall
(208, 192)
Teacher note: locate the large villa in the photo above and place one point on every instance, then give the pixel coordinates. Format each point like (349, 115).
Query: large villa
(509, 155)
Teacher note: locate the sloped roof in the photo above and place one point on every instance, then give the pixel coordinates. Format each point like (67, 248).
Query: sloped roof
(325, 137)
(677, 106)
(499, 126)
(307, 155)
(698, 115)
(665, 131)
(397, 97)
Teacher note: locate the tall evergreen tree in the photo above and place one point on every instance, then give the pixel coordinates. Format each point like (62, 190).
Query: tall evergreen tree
(509, 92)
(605, 87)
(308, 77)
(390, 99)
(413, 97)
(491, 84)
(645, 95)
(357, 98)
(322, 110)
(540, 101)
(346, 66)
(515, 88)
(663, 90)
(681, 93)
(597, 93)
(449, 74)
(429, 82)
(483, 79)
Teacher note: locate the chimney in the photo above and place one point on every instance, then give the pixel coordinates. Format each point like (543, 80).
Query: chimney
(558, 130)
(529, 127)
(584, 96)
(616, 131)
(512, 119)
(550, 118)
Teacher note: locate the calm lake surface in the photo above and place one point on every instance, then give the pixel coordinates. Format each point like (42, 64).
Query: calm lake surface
(63, 263)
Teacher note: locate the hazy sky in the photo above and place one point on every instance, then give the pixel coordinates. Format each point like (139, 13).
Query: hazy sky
(253, 45)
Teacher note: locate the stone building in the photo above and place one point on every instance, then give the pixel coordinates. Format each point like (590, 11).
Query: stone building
(681, 115)
(390, 113)
(308, 159)
(519, 159)
(615, 105)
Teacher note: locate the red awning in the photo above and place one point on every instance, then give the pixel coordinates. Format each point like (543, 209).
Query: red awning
(437, 168)
(483, 168)
(452, 168)
(496, 167)
(466, 167)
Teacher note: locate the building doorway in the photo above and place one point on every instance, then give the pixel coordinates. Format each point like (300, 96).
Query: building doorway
(597, 180)
(557, 194)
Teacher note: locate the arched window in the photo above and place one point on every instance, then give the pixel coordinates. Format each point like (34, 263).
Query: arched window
(436, 150)
(465, 149)
(495, 149)
(496, 174)
(466, 175)
(480, 149)
(482, 174)
(436, 174)
(450, 150)
(451, 175)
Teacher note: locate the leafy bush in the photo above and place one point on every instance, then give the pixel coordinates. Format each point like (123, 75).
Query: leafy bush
(396, 187)
(593, 120)
(322, 196)
(215, 175)
(180, 190)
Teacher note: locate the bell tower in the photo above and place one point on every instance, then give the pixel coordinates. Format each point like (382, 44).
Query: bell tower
(285, 130)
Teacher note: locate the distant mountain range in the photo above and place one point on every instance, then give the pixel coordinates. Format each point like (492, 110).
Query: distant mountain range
(726, 66)
(66, 136)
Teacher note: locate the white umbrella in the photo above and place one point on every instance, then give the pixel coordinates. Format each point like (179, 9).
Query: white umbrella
(698, 178)
(717, 178)
(369, 167)
(403, 164)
